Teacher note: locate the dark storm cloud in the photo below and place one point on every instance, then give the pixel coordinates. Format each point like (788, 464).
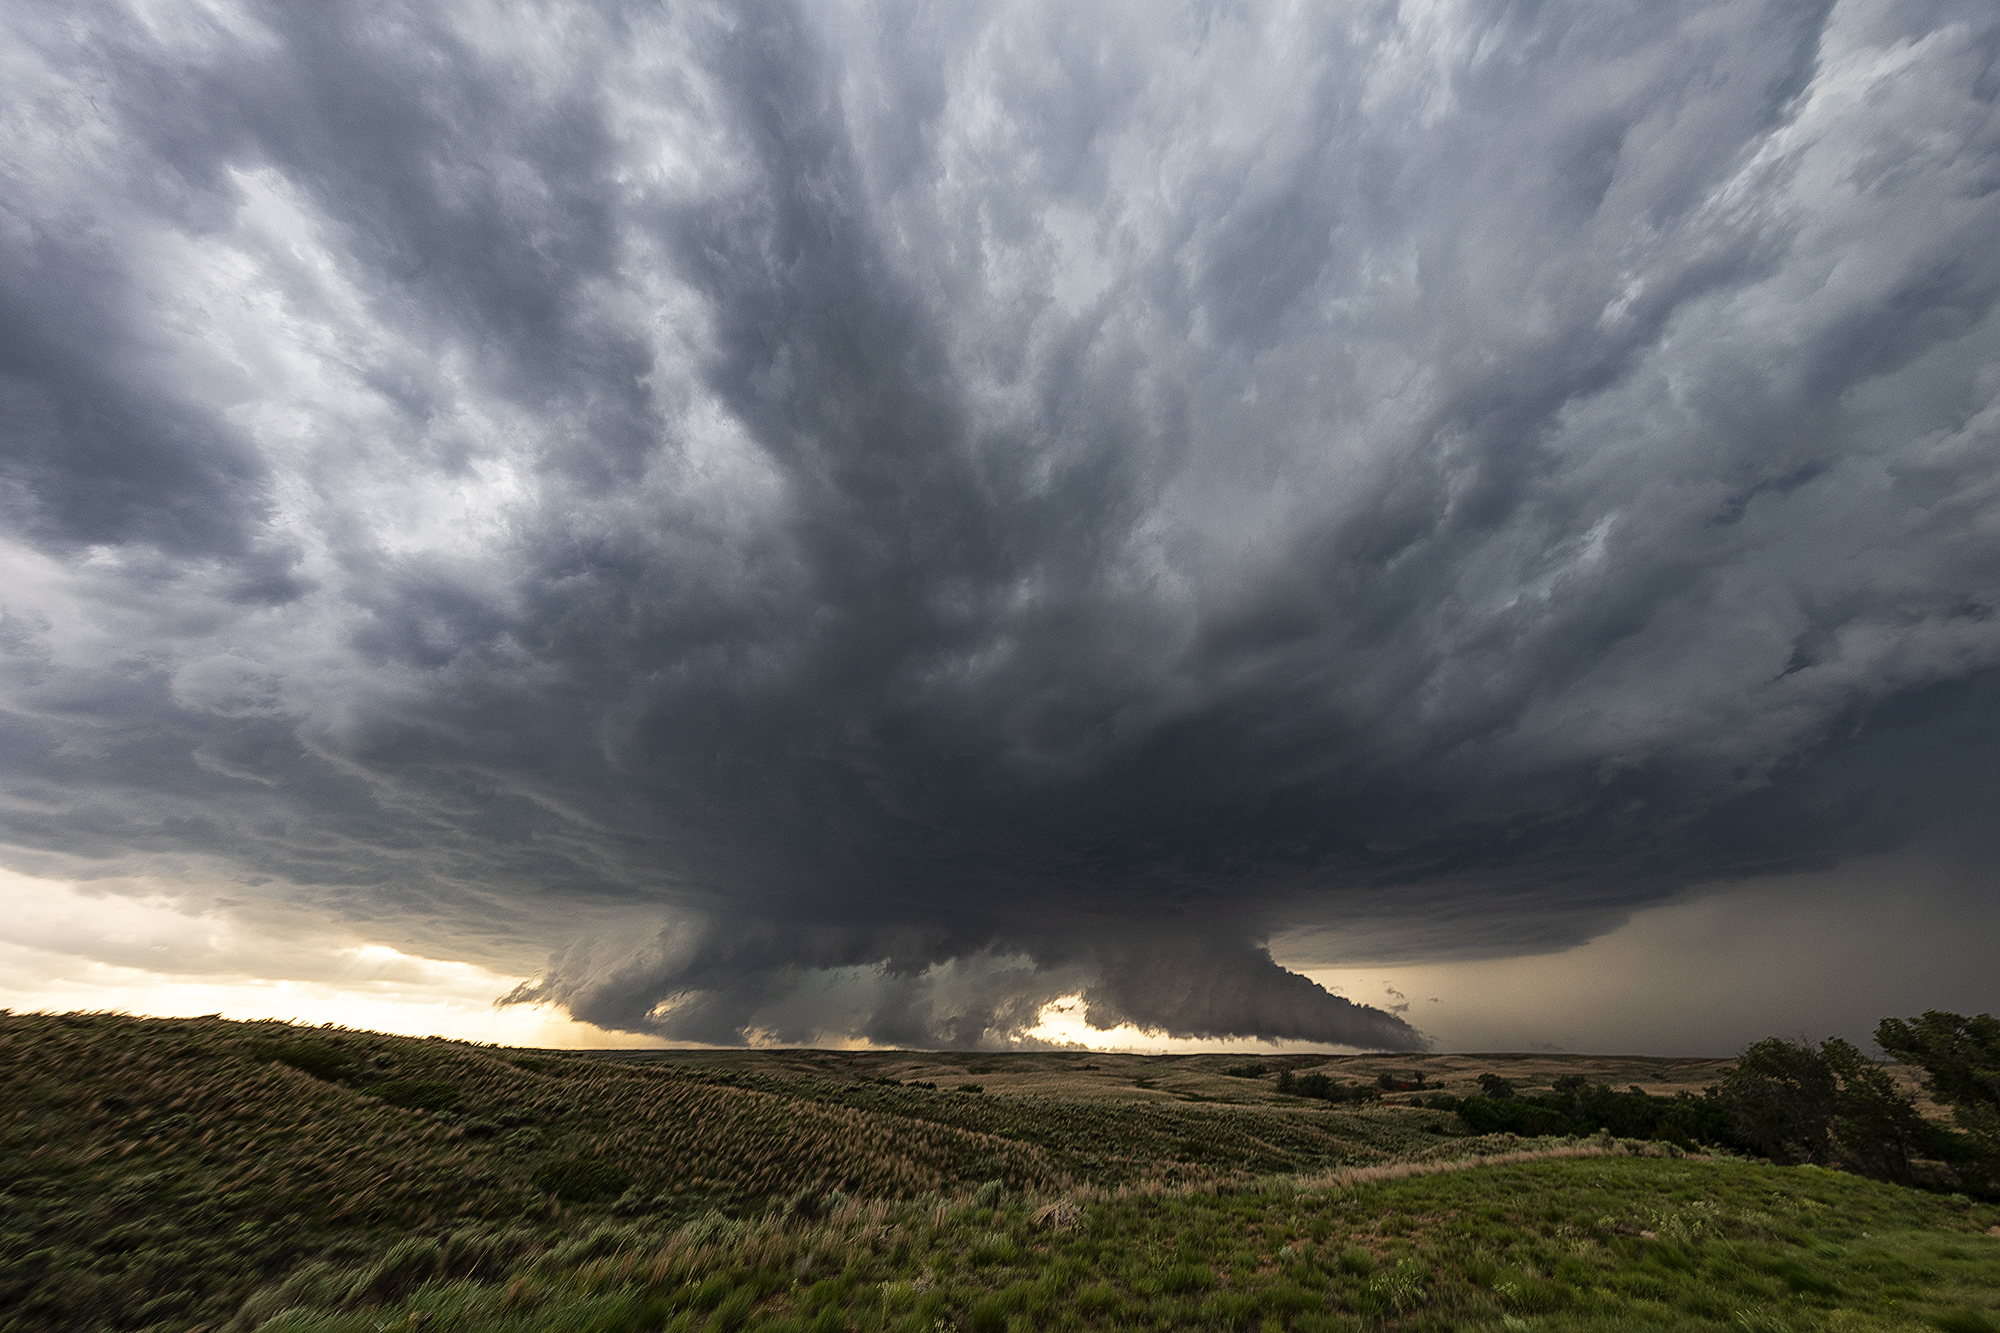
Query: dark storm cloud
(869, 521)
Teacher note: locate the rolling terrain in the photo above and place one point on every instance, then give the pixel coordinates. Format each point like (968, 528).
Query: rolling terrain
(199, 1173)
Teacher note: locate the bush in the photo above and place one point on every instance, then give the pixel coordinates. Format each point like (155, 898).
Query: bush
(1247, 1071)
(1321, 1088)
(1577, 1106)
(1483, 1115)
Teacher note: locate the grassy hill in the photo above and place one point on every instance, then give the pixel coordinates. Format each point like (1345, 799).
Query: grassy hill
(175, 1174)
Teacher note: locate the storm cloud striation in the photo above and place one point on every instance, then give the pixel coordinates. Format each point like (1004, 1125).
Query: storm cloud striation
(807, 522)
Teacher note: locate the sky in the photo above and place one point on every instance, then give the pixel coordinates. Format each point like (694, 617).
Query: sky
(1345, 526)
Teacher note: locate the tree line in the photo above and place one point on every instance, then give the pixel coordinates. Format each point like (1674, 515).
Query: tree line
(1797, 1104)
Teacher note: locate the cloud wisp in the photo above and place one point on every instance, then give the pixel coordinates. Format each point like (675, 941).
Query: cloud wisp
(942, 509)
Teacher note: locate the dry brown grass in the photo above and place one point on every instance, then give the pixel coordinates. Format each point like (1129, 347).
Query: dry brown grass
(80, 1091)
(1104, 1076)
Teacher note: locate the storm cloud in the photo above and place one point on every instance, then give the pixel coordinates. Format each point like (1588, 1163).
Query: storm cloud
(798, 522)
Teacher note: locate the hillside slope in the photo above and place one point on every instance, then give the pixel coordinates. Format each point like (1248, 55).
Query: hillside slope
(152, 1171)
(197, 1173)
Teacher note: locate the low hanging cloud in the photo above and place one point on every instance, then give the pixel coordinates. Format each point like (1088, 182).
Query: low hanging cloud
(717, 982)
(802, 522)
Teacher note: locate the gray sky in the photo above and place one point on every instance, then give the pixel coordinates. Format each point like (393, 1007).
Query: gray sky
(856, 522)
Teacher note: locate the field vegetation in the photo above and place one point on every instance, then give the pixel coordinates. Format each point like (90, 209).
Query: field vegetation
(203, 1174)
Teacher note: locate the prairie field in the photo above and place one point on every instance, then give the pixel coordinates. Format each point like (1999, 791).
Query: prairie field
(183, 1174)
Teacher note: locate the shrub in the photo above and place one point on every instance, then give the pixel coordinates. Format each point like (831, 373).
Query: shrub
(1321, 1088)
(1483, 1115)
(1247, 1071)
(970, 1087)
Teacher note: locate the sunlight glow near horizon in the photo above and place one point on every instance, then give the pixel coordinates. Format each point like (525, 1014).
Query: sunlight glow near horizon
(67, 947)
(1700, 976)
(135, 948)
(1063, 1023)
(461, 1007)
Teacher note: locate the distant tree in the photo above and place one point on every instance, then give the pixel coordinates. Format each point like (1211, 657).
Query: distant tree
(1317, 1086)
(1781, 1098)
(1499, 1089)
(1960, 1058)
(1321, 1088)
(1876, 1125)
(1828, 1107)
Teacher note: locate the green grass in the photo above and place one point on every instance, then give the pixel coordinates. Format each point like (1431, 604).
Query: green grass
(171, 1174)
(1608, 1242)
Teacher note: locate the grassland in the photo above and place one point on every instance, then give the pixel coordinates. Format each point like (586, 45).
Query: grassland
(179, 1174)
